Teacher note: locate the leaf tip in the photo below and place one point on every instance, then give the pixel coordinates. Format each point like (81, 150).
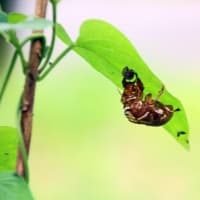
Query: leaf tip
(182, 138)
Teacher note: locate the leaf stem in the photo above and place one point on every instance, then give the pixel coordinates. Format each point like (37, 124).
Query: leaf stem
(55, 62)
(7, 78)
(18, 50)
(22, 58)
(21, 143)
(24, 156)
(52, 39)
(31, 37)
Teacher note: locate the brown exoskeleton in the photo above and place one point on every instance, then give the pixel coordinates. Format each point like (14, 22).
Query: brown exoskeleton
(143, 111)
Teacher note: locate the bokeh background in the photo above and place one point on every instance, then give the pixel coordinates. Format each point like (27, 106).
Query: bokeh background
(83, 148)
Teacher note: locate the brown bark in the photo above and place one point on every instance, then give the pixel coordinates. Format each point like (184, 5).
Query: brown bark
(30, 86)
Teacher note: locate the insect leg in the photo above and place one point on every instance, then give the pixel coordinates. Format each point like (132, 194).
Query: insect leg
(177, 109)
(148, 98)
(170, 108)
(160, 93)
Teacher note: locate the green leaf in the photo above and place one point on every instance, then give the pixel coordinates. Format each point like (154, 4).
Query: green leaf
(10, 36)
(13, 187)
(28, 24)
(5, 36)
(3, 17)
(35, 24)
(109, 51)
(13, 39)
(16, 17)
(8, 148)
(55, 1)
(63, 35)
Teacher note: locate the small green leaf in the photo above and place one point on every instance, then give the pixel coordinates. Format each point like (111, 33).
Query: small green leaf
(13, 187)
(28, 24)
(16, 17)
(5, 36)
(3, 17)
(13, 39)
(55, 1)
(63, 35)
(10, 36)
(109, 51)
(8, 148)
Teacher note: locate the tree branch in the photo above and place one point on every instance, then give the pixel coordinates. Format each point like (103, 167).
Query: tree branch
(29, 88)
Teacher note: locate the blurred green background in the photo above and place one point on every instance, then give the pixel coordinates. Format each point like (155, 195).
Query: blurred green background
(83, 148)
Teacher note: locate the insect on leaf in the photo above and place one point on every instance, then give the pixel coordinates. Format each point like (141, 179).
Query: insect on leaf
(109, 51)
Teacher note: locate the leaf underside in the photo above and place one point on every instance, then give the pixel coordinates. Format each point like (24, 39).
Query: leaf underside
(19, 21)
(109, 51)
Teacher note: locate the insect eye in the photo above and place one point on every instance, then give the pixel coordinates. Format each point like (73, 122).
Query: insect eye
(128, 73)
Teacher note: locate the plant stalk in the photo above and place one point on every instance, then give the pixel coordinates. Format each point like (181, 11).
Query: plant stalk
(29, 88)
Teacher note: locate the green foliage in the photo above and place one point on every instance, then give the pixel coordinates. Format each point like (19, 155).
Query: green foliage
(12, 37)
(28, 24)
(63, 35)
(16, 17)
(101, 45)
(8, 148)
(3, 17)
(55, 1)
(13, 187)
(109, 51)
(15, 21)
(11, 22)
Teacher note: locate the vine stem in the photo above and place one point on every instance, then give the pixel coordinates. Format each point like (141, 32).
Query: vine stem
(52, 38)
(17, 52)
(29, 88)
(21, 55)
(55, 62)
(10, 69)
